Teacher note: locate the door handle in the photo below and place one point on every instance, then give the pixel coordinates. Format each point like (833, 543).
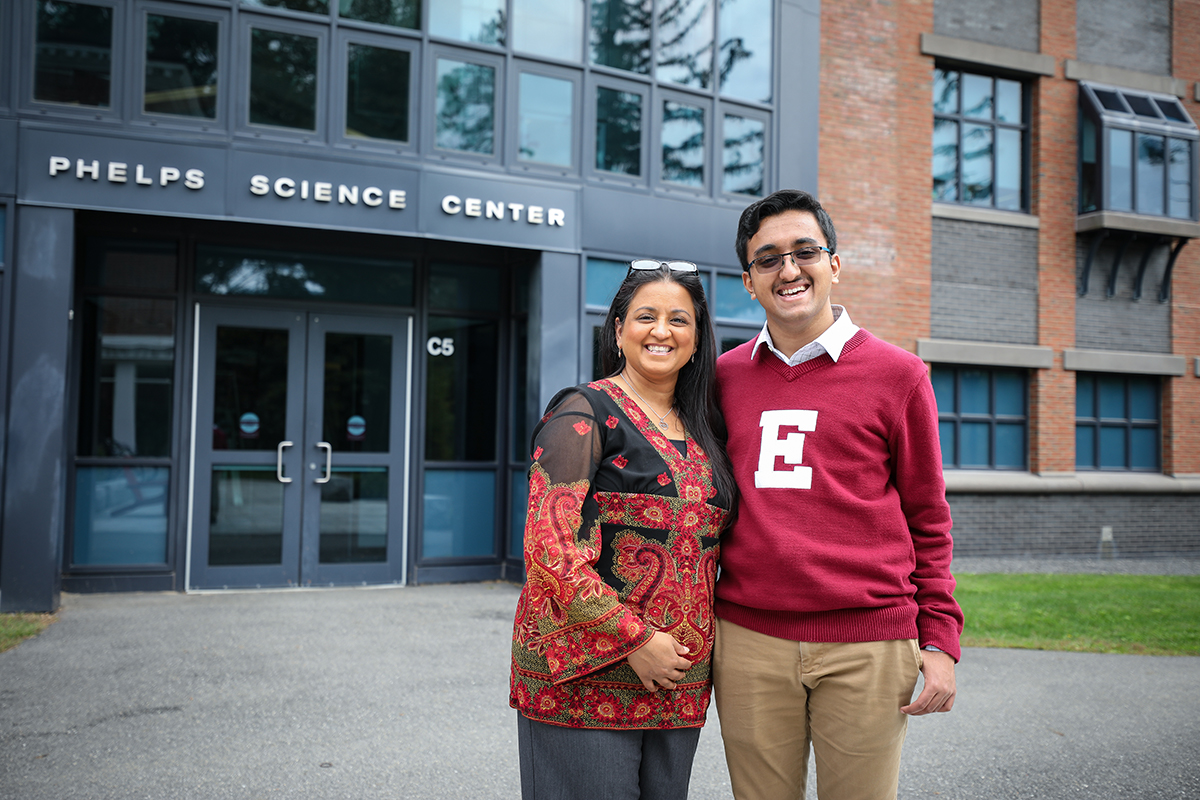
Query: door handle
(328, 448)
(279, 462)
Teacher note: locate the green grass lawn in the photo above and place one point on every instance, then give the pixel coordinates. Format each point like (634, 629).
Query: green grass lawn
(16, 628)
(1143, 614)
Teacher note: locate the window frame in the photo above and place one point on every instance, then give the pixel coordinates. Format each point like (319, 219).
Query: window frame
(1024, 128)
(957, 417)
(247, 22)
(118, 64)
(513, 158)
(1128, 423)
(726, 108)
(481, 57)
(706, 103)
(225, 81)
(595, 82)
(339, 88)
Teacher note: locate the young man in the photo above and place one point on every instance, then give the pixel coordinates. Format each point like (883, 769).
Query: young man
(835, 586)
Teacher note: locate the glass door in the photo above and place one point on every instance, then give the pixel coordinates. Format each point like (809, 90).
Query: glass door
(300, 454)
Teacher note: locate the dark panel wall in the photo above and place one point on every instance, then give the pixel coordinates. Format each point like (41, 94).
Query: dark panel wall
(1120, 322)
(1143, 525)
(1008, 23)
(984, 282)
(1120, 33)
(35, 472)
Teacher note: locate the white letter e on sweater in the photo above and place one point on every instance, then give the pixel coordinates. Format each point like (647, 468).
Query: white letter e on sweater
(791, 447)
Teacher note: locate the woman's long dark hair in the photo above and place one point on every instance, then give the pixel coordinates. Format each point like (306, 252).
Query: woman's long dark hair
(696, 384)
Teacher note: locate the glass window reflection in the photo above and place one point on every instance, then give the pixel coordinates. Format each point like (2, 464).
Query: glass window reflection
(73, 55)
(249, 388)
(397, 13)
(120, 515)
(620, 34)
(1151, 174)
(604, 277)
(1120, 170)
(1179, 177)
(181, 66)
(311, 6)
(547, 108)
(454, 528)
(743, 156)
(744, 59)
(460, 402)
(733, 302)
(977, 164)
(480, 21)
(683, 144)
(685, 42)
(238, 271)
(551, 28)
(945, 160)
(283, 79)
(976, 96)
(354, 516)
(618, 131)
(465, 107)
(358, 390)
(247, 517)
(377, 83)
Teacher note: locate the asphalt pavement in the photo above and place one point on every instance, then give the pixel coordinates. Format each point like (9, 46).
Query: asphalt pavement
(403, 693)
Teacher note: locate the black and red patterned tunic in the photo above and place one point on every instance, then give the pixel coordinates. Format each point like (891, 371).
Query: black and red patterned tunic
(621, 540)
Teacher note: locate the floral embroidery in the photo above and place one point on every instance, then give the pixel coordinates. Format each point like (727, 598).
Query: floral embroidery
(611, 421)
(620, 462)
(537, 453)
(582, 428)
(664, 479)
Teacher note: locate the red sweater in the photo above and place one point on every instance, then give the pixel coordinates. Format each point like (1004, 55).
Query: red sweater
(843, 530)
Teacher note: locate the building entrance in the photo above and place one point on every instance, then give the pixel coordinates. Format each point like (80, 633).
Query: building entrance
(301, 430)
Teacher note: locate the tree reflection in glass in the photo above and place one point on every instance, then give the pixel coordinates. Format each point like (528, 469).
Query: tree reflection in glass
(945, 160)
(480, 21)
(311, 6)
(465, 106)
(181, 66)
(283, 79)
(743, 156)
(1179, 175)
(397, 13)
(620, 34)
(73, 60)
(377, 92)
(1151, 173)
(618, 131)
(685, 42)
(744, 59)
(683, 144)
(977, 144)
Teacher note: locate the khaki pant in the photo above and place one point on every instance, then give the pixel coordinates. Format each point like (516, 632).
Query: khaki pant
(775, 697)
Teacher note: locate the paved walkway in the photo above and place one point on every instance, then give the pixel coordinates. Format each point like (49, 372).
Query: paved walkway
(402, 693)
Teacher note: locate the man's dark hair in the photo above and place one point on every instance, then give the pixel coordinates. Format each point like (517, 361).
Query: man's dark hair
(777, 203)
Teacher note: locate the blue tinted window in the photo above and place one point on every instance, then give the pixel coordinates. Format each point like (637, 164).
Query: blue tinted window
(479, 21)
(1010, 393)
(943, 388)
(1120, 170)
(1085, 447)
(120, 515)
(974, 391)
(734, 302)
(551, 28)
(1143, 448)
(1143, 399)
(1010, 445)
(465, 106)
(979, 132)
(975, 445)
(1117, 422)
(459, 513)
(547, 109)
(971, 402)
(1112, 398)
(603, 279)
(946, 434)
(744, 57)
(1085, 396)
(1112, 448)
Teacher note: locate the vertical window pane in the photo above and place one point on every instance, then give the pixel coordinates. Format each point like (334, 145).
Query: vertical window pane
(734, 302)
(683, 144)
(1008, 169)
(120, 515)
(1010, 393)
(685, 42)
(976, 96)
(1112, 448)
(461, 388)
(743, 156)
(354, 516)
(1143, 399)
(1010, 445)
(1151, 173)
(1085, 396)
(127, 377)
(311, 6)
(547, 108)
(1143, 452)
(247, 517)
(465, 106)
(945, 91)
(975, 452)
(945, 160)
(943, 389)
(73, 59)
(479, 21)
(974, 391)
(1179, 178)
(1089, 175)
(946, 436)
(977, 164)
(1120, 170)
(1112, 398)
(250, 389)
(1085, 447)
(603, 279)
(358, 392)
(618, 131)
(398, 13)
(377, 81)
(460, 507)
(744, 59)
(283, 79)
(620, 34)
(181, 66)
(463, 287)
(552, 28)
(1008, 101)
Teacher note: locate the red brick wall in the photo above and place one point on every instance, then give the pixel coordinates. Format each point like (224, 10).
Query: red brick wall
(875, 146)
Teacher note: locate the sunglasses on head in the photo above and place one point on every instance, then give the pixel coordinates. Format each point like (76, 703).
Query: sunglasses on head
(651, 264)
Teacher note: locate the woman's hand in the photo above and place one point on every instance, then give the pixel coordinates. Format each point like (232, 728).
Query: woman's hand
(660, 661)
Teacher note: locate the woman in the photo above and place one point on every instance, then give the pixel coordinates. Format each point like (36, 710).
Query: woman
(628, 492)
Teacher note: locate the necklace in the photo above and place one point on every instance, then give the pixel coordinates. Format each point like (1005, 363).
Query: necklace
(662, 418)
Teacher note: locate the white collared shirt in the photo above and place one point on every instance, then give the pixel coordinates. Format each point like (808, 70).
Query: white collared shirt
(831, 341)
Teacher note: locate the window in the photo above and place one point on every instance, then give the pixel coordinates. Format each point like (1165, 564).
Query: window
(743, 155)
(744, 57)
(466, 107)
(398, 13)
(1117, 420)
(551, 28)
(311, 6)
(683, 147)
(283, 79)
(181, 66)
(73, 57)
(981, 416)
(377, 89)
(979, 134)
(620, 35)
(1137, 153)
(618, 131)
(479, 21)
(547, 108)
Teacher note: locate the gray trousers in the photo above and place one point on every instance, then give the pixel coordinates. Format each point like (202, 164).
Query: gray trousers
(572, 764)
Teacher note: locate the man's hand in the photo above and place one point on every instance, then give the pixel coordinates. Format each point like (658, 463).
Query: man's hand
(660, 661)
(939, 691)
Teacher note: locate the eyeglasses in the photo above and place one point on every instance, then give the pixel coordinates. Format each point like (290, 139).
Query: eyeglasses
(802, 257)
(650, 263)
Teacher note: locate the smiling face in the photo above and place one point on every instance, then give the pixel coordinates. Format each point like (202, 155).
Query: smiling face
(796, 299)
(658, 334)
